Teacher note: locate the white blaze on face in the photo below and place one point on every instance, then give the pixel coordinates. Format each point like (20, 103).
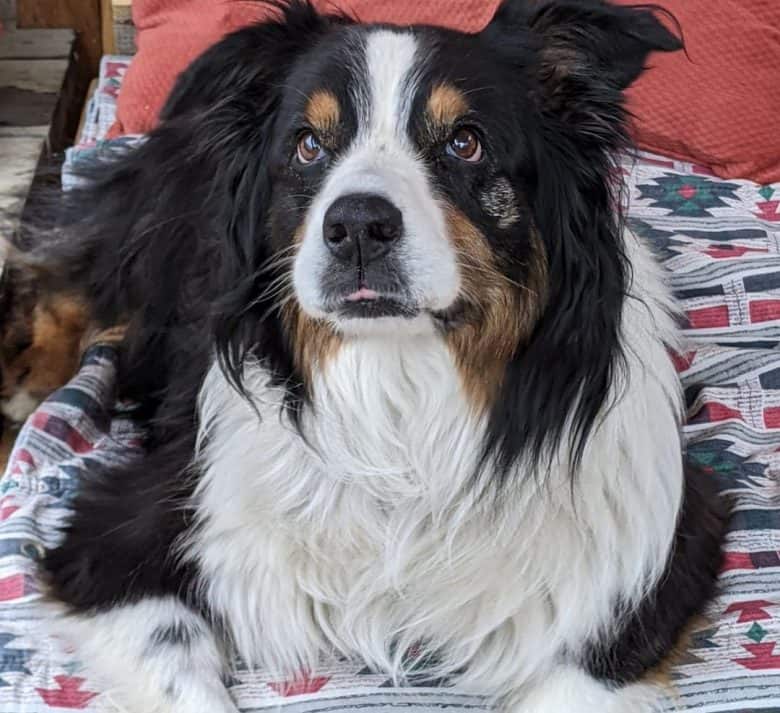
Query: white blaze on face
(383, 160)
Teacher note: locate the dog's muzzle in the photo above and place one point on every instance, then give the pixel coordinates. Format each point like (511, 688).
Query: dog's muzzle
(362, 233)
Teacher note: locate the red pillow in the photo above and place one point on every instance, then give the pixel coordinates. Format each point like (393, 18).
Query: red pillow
(171, 33)
(718, 106)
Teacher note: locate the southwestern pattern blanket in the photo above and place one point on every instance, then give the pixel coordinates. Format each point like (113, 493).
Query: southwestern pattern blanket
(721, 242)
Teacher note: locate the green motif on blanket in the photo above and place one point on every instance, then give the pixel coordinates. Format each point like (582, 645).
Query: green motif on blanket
(688, 195)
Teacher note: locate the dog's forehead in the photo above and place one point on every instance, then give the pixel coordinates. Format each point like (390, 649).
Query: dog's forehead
(379, 76)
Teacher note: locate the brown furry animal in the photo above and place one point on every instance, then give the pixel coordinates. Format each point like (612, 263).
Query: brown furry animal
(41, 337)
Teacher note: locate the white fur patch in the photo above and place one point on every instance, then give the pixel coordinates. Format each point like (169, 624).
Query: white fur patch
(499, 201)
(368, 536)
(126, 648)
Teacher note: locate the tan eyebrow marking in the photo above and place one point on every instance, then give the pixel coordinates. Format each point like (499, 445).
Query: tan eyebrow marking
(446, 105)
(323, 111)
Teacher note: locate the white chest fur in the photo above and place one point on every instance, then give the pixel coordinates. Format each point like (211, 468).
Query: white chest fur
(369, 537)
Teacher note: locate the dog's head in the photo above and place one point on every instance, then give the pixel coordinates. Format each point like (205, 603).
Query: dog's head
(365, 182)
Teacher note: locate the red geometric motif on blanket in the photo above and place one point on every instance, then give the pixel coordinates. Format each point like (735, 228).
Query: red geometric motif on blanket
(299, 686)
(764, 310)
(67, 694)
(751, 610)
(762, 659)
(709, 317)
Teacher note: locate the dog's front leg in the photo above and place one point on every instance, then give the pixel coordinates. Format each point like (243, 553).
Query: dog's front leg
(153, 656)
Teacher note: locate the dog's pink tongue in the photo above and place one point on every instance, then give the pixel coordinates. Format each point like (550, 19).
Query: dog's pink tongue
(362, 294)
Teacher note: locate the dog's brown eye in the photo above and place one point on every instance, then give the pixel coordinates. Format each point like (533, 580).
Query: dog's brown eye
(309, 148)
(465, 145)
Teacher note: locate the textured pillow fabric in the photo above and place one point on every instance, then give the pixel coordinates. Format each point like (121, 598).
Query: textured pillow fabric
(171, 33)
(717, 105)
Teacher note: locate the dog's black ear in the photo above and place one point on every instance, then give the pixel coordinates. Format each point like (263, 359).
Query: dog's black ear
(582, 42)
(592, 40)
(573, 59)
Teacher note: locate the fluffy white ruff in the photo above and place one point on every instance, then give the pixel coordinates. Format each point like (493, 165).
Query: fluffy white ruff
(369, 536)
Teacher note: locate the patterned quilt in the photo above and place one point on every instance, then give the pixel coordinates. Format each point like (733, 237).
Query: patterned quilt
(721, 242)
(99, 115)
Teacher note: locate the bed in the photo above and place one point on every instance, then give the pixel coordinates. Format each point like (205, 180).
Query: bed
(720, 241)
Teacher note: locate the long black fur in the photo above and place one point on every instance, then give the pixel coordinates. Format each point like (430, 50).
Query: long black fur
(588, 53)
(168, 238)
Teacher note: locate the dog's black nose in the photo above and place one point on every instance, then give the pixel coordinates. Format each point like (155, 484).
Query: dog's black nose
(361, 228)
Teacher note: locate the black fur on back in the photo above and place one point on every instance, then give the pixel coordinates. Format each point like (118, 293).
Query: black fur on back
(168, 238)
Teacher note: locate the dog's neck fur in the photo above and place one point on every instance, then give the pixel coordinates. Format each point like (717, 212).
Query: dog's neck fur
(370, 536)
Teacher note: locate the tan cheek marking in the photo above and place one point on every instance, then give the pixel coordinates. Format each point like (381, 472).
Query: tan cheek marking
(313, 341)
(500, 315)
(446, 105)
(298, 236)
(323, 111)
